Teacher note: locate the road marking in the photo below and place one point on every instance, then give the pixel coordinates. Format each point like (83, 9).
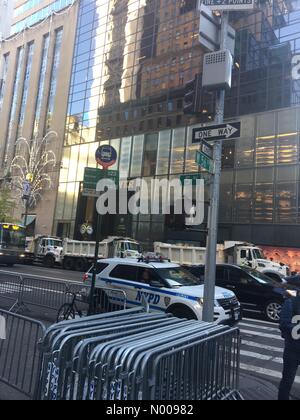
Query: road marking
(245, 324)
(262, 357)
(261, 334)
(261, 346)
(258, 321)
(265, 372)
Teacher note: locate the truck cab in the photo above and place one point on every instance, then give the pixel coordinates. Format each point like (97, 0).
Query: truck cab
(46, 250)
(253, 257)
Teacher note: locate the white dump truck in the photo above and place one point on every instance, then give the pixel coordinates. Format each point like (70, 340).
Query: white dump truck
(238, 253)
(77, 255)
(46, 250)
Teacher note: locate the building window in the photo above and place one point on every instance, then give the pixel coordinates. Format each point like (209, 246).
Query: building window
(30, 51)
(41, 84)
(150, 154)
(3, 77)
(54, 76)
(41, 14)
(15, 96)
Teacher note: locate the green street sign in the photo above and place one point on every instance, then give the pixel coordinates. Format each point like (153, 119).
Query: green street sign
(91, 178)
(204, 162)
(190, 177)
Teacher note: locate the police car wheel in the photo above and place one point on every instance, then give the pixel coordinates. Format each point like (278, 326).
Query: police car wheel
(182, 313)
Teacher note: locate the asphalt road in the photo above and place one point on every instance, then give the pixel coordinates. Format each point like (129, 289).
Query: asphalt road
(46, 273)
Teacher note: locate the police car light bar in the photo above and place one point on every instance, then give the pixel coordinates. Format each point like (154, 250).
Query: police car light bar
(153, 257)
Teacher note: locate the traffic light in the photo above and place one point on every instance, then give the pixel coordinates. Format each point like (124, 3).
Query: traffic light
(192, 96)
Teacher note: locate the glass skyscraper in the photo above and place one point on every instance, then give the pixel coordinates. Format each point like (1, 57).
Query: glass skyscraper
(131, 62)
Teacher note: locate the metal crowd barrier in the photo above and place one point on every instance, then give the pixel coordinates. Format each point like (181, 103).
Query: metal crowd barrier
(132, 355)
(48, 294)
(19, 355)
(10, 290)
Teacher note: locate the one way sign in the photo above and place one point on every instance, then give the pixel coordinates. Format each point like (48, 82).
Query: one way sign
(217, 132)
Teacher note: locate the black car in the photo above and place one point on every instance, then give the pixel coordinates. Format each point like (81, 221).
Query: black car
(255, 291)
(293, 280)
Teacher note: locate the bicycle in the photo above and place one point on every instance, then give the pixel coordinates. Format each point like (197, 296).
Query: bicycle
(69, 311)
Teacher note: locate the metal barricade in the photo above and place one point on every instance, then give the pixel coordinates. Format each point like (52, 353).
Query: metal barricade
(47, 294)
(19, 355)
(133, 355)
(50, 294)
(11, 286)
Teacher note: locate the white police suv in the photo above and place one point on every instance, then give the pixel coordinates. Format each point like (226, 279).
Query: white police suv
(166, 286)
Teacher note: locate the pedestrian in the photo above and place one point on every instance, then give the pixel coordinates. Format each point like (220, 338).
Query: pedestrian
(291, 359)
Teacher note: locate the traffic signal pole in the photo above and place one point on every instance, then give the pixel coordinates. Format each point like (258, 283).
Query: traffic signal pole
(212, 239)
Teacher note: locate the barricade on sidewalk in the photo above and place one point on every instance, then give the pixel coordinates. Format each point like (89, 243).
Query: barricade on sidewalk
(24, 292)
(11, 286)
(19, 355)
(132, 355)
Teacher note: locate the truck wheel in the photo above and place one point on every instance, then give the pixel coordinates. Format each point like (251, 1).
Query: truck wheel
(182, 312)
(68, 264)
(80, 265)
(49, 261)
(273, 311)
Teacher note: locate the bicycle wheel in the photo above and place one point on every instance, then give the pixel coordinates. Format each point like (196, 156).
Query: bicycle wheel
(65, 313)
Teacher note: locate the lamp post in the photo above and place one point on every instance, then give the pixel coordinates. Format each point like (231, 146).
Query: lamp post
(27, 186)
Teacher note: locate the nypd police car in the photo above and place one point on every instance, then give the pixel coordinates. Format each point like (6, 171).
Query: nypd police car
(166, 286)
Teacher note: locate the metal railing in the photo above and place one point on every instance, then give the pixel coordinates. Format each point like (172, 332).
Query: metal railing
(132, 355)
(22, 292)
(19, 355)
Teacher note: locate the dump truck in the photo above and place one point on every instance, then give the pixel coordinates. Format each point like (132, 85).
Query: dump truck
(77, 255)
(231, 252)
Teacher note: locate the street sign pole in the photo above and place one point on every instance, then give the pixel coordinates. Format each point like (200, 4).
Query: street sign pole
(212, 240)
(93, 286)
(106, 156)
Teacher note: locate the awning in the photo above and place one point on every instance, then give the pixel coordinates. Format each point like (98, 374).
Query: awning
(31, 218)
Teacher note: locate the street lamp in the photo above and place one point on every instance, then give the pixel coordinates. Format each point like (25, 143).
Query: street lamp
(27, 186)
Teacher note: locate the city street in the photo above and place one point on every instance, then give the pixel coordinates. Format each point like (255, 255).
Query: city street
(262, 345)
(49, 274)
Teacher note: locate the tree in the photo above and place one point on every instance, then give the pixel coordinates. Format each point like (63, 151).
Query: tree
(7, 206)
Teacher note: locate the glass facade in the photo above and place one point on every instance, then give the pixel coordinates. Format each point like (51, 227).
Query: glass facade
(53, 79)
(131, 62)
(14, 103)
(29, 58)
(38, 16)
(41, 85)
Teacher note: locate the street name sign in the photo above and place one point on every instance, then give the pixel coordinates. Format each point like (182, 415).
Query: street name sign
(217, 132)
(207, 149)
(91, 178)
(193, 178)
(205, 162)
(229, 4)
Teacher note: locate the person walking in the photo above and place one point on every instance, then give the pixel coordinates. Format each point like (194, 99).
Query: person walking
(291, 334)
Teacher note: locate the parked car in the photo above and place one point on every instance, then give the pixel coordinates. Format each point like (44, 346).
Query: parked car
(167, 287)
(255, 291)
